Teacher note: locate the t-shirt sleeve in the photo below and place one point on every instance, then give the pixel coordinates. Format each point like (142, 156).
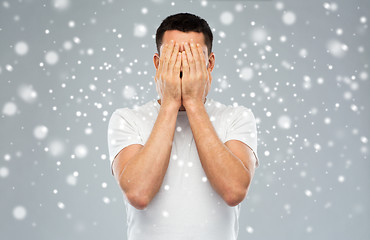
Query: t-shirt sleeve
(122, 132)
(243, 127)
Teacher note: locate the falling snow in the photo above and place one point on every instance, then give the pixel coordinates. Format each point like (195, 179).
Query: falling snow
(303, 70)
(20, 212)
(21, 48)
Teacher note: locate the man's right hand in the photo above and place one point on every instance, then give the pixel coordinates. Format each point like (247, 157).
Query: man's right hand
(168, 81)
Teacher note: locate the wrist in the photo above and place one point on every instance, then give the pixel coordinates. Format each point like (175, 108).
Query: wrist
(193, 103)
(170, 105)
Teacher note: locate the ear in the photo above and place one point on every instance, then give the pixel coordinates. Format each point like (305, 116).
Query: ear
(211, 62)
(211, 65)
(156, 60)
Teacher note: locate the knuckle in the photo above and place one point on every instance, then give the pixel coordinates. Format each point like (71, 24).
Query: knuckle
(173, 60)
(168, 55)
(171, 64)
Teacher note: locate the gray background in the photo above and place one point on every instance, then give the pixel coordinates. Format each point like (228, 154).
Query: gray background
(301, 66)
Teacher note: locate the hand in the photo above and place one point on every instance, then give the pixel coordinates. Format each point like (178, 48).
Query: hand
(167, 77)
(196, 77)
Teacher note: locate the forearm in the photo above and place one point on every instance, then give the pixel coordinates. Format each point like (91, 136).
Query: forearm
(143, 177)
(226, 173)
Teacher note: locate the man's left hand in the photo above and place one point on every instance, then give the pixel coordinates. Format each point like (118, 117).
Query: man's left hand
(195, 76)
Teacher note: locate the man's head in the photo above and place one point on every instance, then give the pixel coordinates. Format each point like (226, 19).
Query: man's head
(182, 27)
(185, 22)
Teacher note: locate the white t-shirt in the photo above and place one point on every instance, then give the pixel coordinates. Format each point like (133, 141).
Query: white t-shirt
(186, 206)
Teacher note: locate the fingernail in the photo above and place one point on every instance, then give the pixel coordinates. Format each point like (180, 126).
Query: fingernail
(171, 41)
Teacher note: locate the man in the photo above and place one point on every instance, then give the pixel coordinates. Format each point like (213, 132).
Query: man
(184, 162)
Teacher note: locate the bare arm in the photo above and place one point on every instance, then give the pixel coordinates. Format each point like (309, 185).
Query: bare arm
(143, 175)
(227, 173)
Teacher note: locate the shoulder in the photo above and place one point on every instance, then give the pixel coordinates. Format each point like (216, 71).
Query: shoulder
(217, 108)
(120, 113)
(244, 111)
(240, 115)
(135, 110)
(245, 114)
(121, 117)
(230, 112)
(138, 115)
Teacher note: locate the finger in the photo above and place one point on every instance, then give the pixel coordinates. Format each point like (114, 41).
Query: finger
(158, 72)
(161, 57)
(161, 61)
(202, 62)
(195, 53)
(185, 65)
(176, 69)
(167, 56)
(163, 49)
(174, 57)
(189, 58)
(201, 57)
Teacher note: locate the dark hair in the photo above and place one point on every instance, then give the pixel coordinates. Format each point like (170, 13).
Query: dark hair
(185, 22)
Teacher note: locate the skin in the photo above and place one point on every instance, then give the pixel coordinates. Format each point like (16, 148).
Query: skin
(229, 167)
(180, 38)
